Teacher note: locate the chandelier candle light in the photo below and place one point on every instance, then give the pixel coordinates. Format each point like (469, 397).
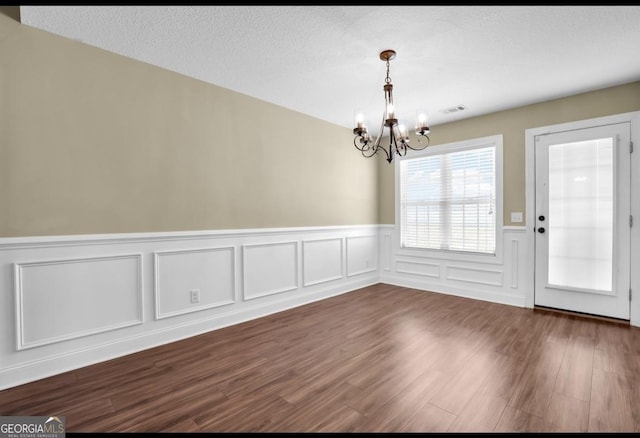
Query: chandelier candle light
(398, 135)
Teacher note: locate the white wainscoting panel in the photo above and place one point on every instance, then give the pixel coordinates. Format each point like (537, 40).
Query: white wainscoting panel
(362, 254)
(269, 268)
(514, 263)
(71, 301)
(386, 251)
(210, 271)
(484, 278)
(489, 277)
(418, 268)
(322, 261)
(57, 300)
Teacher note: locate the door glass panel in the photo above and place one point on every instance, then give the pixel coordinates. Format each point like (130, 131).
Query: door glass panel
(580, 223)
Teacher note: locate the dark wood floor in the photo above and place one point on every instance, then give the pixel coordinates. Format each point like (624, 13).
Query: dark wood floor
(382, 358)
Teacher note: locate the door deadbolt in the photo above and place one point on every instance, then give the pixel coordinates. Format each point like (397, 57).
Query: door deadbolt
(540, 218)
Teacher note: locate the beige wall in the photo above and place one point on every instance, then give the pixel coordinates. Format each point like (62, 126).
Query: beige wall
(12, 12)
(512, 124)
(93, 142)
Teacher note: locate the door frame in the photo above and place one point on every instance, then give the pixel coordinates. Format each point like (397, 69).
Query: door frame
(634, 119)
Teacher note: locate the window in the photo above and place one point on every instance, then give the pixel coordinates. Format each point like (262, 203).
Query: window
(448, 197)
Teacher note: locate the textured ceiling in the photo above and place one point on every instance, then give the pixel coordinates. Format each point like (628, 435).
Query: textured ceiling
(324, 60)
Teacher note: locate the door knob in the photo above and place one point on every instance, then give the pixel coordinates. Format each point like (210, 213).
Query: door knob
(540, 218)
(540, 230)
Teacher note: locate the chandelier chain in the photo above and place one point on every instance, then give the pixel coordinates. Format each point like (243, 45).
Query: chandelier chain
(388, 79)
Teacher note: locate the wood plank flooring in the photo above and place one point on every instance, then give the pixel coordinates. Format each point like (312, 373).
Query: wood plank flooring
(379, 359)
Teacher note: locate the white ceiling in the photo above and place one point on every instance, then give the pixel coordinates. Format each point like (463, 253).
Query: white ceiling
(324, 60)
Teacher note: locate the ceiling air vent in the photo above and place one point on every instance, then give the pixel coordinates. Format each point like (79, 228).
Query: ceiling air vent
(453, 109)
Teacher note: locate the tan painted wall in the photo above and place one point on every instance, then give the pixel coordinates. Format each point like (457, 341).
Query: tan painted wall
(513, 124)
(94, 142)
(12, 12)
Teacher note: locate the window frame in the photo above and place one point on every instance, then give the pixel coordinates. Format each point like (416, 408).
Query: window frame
(476, 143)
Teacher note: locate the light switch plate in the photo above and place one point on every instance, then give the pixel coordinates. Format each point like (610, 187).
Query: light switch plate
(516, 216)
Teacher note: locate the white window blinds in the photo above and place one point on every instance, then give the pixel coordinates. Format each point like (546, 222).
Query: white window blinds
(447, 201)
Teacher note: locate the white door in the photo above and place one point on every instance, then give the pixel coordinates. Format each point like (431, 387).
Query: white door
(582, 220)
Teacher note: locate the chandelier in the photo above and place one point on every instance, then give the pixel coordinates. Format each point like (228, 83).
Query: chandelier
(398, 135)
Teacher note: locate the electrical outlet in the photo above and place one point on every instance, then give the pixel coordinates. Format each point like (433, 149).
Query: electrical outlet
(195, 296)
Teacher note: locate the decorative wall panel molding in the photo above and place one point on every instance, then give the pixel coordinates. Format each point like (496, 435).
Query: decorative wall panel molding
(269, 268)
(418, 268)
(322, 261)
(514, 263)
(58, 300)
(70, 301)
(193, 280)
(362, 254)
(386, 251)
(479, 277)
(488, 277)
